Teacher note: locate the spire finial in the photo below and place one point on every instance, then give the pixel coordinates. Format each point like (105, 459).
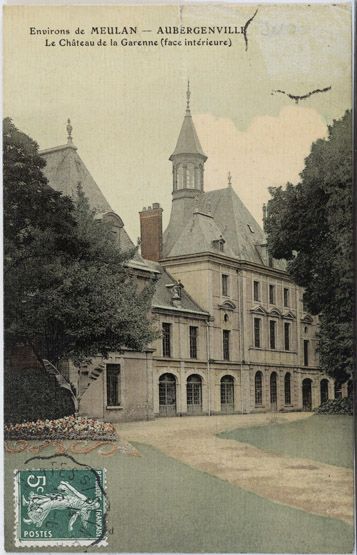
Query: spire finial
(229, 179)
(69, 131)
(188, 95)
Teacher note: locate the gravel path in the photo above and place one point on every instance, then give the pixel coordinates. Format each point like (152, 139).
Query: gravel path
(301, 483)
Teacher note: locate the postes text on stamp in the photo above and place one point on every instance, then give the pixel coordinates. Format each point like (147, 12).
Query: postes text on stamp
(56, 507)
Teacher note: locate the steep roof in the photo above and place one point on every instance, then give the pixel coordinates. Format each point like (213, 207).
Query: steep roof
(188, 141)
(162, 297)
(244, 238)
(201, 234)
(65, 170)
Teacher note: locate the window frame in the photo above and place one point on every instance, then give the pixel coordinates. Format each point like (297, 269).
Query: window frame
(287, 336)
(225, 285)
(273, 336)
(193, 337)
(286, 297)
(256, 290)
(257, 344)
(109, 375)
(258, 389)
(166, 346)
(226, 344)
(272, 293)
(306, 352)
(287, 388)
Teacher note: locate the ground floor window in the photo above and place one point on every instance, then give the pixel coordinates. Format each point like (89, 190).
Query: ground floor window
(338, 390)
(167, 395)
(287, 388)
(307, 394)
(273, 389)
(113, 385)
(258, 388)
(194, 394)
(227, 394)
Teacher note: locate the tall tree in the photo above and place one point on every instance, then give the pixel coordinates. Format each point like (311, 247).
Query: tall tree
(310, 225)
(68, 289)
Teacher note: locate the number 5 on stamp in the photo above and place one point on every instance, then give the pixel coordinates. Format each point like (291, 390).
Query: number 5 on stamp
(60, 507)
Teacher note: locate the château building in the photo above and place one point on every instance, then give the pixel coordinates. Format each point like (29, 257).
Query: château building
(235, 337)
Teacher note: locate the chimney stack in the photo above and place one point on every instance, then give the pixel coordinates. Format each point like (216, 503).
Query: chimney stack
(151, 232)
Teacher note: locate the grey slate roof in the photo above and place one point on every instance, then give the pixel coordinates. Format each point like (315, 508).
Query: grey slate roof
(188, 141)
(65, 170)
(162, 295)
(244, 238)
(199, 235)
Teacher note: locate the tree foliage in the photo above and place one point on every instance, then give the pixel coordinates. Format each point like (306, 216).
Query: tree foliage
(68, 288)
(310, 225)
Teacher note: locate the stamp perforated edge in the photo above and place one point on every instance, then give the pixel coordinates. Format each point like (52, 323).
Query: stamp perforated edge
(54, 543)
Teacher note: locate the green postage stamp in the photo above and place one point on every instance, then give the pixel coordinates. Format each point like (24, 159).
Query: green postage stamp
(60, 507)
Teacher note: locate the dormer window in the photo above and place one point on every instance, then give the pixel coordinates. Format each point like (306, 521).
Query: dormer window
(219, 244)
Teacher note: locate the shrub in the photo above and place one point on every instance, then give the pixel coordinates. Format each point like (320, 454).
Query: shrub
(336, 406)
(33, 394)
(69, 427)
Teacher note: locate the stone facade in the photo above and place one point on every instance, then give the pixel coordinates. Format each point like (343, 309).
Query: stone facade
(235, 337)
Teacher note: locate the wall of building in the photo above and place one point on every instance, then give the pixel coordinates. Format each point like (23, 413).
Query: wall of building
(136, 388)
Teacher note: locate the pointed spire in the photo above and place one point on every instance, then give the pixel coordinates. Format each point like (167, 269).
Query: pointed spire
(69, 132)
(229, 179)
(188, 96)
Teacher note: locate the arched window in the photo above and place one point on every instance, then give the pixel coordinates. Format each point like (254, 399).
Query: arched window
(273, 390)
(194, 394)
(287, 388)
(323, 391)
(167, 395)
(258, 388)
(227, 394)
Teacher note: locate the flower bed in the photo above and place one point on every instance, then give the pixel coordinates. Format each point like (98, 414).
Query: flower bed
(69, 427)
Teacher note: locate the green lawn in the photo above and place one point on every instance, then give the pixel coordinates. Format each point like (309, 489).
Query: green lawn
(160, 505)
(324, 438)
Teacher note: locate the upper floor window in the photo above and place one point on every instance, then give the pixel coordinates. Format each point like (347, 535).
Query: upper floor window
(113, 385)
(257, 332)
(272, 294)
(226, 334)
(286, 296)
(166, 340)
(225, 289)
(193, 341)
(272, 334)
(256, 290)
(287, 336)
(306, 352)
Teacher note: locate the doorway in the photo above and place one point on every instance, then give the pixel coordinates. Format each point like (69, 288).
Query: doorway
(167, 395)
(194, 394)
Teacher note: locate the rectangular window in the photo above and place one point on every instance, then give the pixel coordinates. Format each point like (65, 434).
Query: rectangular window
(256, 332)
(256, 290)
(113, 385)
(166, 340)
(272, 294)
(193, 341)
(286, 296)
(226, 334)
(287, 336)
(306, 352)
(225, 285)
(272, 330)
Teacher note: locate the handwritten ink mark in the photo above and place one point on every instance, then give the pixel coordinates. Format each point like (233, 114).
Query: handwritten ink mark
(302, 97)
(245, 28)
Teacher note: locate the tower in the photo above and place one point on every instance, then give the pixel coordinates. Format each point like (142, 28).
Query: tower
(188, 158)
(188, 161)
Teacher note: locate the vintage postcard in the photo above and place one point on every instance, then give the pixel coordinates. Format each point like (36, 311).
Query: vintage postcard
(178, 278)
